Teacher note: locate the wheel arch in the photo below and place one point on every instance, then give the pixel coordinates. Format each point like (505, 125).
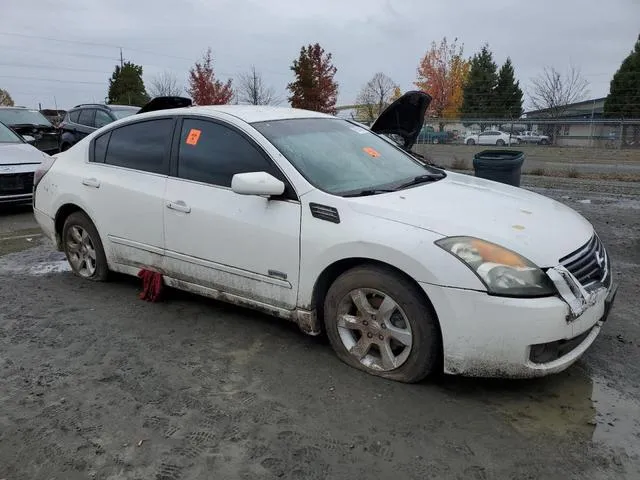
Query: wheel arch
(337, 268)
(61, 215)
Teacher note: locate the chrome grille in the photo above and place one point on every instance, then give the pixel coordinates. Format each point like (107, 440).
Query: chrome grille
(589, 264)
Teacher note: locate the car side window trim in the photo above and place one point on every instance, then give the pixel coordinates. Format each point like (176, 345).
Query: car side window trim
(175, 149)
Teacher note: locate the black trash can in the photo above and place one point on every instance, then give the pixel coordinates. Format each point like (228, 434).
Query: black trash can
(503, 166)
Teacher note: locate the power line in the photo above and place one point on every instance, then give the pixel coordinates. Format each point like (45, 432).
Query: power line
(51, 80)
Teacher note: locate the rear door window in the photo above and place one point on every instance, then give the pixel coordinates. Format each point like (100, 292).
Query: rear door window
(141, 146)
(86, 117)
(73, 116)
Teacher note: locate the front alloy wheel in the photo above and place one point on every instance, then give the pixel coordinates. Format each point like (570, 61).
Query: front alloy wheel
(374, 329)
(379, 321)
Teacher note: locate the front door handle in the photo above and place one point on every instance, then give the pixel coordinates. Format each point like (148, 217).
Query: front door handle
(179, 206)
(91, 182)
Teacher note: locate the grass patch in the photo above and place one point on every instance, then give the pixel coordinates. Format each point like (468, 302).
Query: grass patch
(573, 173)
(460, 164)
(539, 172)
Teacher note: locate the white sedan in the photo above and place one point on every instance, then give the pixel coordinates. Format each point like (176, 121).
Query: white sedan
(409, 269)
(18, 162)
(491, 137)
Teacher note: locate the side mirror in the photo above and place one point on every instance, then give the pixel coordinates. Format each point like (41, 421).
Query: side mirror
(29, 139)
(256, 183)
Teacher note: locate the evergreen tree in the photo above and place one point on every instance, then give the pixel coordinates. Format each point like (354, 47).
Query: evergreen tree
(623, 100)
(126, 86)
(478, 93)
(314, 87)
(508, 95)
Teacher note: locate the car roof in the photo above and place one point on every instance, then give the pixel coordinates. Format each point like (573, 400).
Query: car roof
(246, 113)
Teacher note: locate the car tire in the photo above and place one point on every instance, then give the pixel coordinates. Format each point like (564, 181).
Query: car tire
(436, 141)
(500, 142)
(360, 336)
(471, 141)
(544, 142)
(83, 248)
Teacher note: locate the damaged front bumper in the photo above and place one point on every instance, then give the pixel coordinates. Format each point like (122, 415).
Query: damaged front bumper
(490, 336)
(576, 296)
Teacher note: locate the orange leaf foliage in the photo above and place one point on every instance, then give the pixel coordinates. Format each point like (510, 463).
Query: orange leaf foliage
(442, 73)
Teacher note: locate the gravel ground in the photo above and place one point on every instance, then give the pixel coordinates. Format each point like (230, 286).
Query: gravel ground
(582, 161)
(95, 383)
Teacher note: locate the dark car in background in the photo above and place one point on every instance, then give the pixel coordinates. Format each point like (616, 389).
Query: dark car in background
(29, 122)
(83, 119)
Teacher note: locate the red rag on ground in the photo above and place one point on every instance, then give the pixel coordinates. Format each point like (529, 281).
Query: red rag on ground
(152, 285)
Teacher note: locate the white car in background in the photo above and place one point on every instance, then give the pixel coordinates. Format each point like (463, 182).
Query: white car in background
(409, 269)
(534, 137)
(18, 162)
(491, 137)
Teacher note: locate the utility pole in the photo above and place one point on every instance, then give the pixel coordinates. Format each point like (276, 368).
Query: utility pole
(121, 59)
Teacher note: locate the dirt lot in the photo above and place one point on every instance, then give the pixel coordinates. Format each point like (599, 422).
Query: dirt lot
(95, 383)
(584, 161)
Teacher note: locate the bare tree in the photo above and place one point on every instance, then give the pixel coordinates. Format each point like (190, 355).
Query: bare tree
(165, 85)
(251, 89)
(5, 99)
(553, 91)
(374, 97)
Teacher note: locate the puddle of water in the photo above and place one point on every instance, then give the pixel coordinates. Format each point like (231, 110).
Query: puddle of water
(573, 405)
(617, 418)
(16, 266)
(45, 268)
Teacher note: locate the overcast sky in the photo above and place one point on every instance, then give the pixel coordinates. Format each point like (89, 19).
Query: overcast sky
(364, 36)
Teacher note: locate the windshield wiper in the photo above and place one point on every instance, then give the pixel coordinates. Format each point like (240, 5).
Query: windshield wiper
(370, 191)
(428, 177)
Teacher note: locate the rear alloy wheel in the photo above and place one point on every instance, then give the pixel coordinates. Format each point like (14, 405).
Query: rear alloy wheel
(500, 143)
(83, 248)
(378, 322)
(471, 141)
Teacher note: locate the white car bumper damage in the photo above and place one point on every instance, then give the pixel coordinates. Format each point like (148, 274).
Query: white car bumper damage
(491, 336)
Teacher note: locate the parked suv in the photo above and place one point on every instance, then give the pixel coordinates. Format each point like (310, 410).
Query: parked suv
(83, 119)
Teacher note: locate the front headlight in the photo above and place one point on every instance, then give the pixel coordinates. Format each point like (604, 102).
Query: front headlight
(502, 271)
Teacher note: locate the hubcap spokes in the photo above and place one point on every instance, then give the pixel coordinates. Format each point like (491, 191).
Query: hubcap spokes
(374, 329)
(81, 252)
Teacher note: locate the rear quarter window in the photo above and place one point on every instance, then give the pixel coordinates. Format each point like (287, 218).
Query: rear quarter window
(73, 116)
(100, 148)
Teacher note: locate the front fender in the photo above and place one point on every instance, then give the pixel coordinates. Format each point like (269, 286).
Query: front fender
(407, 248)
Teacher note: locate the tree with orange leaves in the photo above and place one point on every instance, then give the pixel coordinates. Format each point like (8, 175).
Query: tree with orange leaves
(442, 73)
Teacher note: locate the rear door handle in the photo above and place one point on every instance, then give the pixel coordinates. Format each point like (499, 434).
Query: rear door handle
(91, 182)
(179, 206)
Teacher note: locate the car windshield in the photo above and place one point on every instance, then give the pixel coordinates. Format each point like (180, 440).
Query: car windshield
(340, 157)
(7, 135)
(123, 112)
(23, 116)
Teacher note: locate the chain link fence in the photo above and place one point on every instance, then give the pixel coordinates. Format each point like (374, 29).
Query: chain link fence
(596, 133)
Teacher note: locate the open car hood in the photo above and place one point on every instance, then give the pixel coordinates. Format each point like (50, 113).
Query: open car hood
(165, 103)
(404, 117)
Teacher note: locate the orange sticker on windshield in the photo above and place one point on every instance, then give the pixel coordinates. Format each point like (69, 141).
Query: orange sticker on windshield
(371, 151)
(193, 137)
